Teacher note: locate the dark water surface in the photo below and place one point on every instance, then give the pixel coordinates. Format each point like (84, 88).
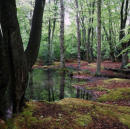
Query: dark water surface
(52, 85)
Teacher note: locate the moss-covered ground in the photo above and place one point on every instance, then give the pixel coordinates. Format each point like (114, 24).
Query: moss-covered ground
(71, 113)
(110, 110)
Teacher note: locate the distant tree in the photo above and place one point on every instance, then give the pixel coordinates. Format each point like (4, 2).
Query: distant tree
(89, 52)
(78, 31)
(62, 15)
(17, 63)
(98, 71)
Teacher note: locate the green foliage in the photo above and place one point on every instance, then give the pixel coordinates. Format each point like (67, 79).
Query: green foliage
(126, 39)
(25, 9)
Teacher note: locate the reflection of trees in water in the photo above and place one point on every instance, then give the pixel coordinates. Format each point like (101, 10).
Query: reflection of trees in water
(62, 84)
(31, 84)
(83, 93)
(50, 85)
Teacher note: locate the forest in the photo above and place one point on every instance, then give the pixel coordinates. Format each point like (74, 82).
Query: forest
(65, 64)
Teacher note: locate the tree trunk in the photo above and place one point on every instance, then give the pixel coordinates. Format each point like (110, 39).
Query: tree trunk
(11, 36)
(89, 43)
(5, 76)
(110, 34)
(110, 43)
(49, 42)
(54, 26)
(98, 71)
(122, 27)
(18, 62)
(35, 34)
(62, 56)
(78, 31)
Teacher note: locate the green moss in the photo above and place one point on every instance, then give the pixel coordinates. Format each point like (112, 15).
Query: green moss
(115, 95)
(72, 113)
(115, 80)
(24, 119)
(83, 120)
(99, 88)
(125, 119)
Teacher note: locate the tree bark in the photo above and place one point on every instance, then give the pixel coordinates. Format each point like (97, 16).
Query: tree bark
(49, 42)
(11, 36)
(98, 71)
(62, 13)
(19, 62)
(35, 34)
(78, 32)
(124, 14)
(89, 51)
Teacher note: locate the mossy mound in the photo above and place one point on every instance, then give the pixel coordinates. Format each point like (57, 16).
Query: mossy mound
(116, 95)
(71, 113)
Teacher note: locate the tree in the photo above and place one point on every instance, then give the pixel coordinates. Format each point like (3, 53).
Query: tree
(98, 37)
(18, 61)
(78, 31)
(109, 34)
(123, 18)
(89, 52)
(62, 56)
(51, 27)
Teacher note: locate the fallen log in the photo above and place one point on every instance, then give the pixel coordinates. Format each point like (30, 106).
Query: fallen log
(125, 71)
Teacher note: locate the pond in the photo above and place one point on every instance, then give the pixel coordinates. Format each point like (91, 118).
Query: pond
(53, 85)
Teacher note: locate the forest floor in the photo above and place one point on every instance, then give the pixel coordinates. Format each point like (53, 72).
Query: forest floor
(109, 110)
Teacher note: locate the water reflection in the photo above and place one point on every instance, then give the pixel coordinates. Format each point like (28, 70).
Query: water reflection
(52, 85)
(85, 94)
(62, 84)
(49, 85)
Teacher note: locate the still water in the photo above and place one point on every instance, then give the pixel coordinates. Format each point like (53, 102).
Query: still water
(52, 85)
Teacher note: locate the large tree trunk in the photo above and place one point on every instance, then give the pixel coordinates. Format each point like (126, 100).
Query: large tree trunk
(62, 13)
(18, 62)
(78, 32)
(5, 76)
(98, 71)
